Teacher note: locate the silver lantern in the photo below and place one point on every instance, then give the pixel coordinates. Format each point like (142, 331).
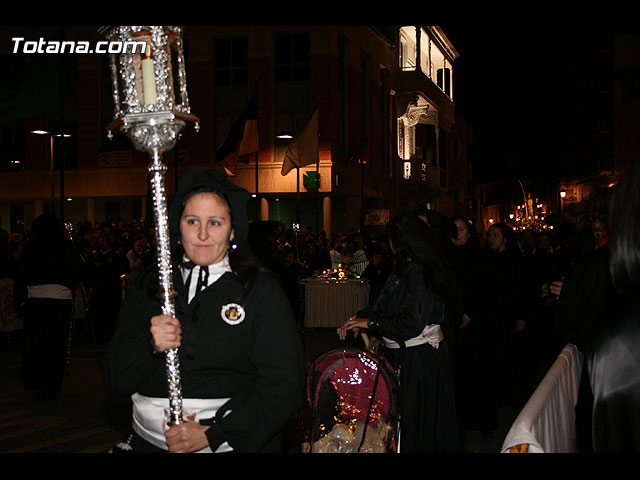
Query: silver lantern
(152, 107)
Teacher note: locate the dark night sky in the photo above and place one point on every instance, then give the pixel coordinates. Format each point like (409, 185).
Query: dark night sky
(523, 91)
(516, 88)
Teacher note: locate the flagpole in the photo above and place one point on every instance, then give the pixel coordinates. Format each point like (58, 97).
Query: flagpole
(318, 195)
(318, 183)
(299, 154)
(255, 90)
(257, 200)
(298, 195)
(297, 226)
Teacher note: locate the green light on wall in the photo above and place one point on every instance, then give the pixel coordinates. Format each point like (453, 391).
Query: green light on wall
(311, 179)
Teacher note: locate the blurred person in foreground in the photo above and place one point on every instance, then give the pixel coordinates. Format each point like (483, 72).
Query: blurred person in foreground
(242, 367)
(613, 358)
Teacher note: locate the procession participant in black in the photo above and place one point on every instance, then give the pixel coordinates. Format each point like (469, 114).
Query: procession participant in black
(47, 272)
(409, 316)
(241, 359)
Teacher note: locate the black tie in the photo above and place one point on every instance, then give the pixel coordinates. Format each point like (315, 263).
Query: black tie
(202, 279)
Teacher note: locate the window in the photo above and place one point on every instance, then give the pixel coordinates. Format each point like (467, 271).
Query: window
(408, 48)
(292, 57)
(444, 80)
(231, 60)
(292, 85)
(426, 144)
(13, 152)
(415, 41)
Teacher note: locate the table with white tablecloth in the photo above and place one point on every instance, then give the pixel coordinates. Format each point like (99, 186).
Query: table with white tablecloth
(329, 303)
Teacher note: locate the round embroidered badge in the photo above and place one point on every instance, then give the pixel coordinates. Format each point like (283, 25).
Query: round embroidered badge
(232, 313)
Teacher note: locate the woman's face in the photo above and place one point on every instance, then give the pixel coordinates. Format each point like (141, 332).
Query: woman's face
(138, 246)
(205, 227)
(463, 233)
(495, 240)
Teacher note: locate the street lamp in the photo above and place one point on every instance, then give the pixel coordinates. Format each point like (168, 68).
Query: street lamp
(563, 193)
(42, 131)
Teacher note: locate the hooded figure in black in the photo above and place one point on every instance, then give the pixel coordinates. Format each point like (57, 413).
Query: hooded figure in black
(409, 316)
(241, 362)
(47, 273)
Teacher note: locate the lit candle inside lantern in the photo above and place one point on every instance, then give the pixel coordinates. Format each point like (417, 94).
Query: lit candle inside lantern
(148, 80)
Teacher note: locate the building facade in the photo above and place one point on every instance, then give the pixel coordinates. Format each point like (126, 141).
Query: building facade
(389, 140)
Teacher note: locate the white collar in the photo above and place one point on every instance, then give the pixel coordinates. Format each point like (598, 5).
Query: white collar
(216, 270)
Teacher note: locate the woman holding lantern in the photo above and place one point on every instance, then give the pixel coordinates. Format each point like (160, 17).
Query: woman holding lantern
(241, 360)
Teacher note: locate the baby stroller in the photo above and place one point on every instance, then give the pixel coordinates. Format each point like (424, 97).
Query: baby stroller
(352, 397)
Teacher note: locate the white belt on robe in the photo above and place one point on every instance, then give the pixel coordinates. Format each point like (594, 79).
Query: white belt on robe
(432, 334)
(50, 290)
(150, 415)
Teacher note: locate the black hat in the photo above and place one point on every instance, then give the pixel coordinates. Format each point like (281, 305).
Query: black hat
(235, 196)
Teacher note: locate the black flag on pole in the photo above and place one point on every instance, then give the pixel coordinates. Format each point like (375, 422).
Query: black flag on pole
(242, 138)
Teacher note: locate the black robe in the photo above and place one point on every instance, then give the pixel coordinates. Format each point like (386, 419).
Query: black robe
(257, 363)
(405, 306)
(46, 320)
(474, 353)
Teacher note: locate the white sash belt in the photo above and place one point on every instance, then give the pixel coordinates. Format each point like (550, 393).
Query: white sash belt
(432, 334)
(150, 416)
(54, 291)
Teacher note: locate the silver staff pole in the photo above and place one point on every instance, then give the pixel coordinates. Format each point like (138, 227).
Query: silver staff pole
(151, 108)
(157, 171)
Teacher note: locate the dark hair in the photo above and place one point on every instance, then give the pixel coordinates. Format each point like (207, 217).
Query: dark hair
(509, 235)
(624, 231)
(473, 240)
(47, 232)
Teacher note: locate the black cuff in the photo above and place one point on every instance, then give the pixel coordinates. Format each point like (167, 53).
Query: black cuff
(214, 433)
(373, 326)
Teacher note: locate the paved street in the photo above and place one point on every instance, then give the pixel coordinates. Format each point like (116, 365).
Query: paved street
(83, 419)
(87, 419)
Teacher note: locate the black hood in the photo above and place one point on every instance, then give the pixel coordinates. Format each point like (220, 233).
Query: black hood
(429, 245)
(235, 196)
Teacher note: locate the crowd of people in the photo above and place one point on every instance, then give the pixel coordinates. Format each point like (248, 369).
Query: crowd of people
(507, 302)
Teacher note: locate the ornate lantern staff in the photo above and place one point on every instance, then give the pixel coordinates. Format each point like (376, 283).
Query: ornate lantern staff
(151, 108)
